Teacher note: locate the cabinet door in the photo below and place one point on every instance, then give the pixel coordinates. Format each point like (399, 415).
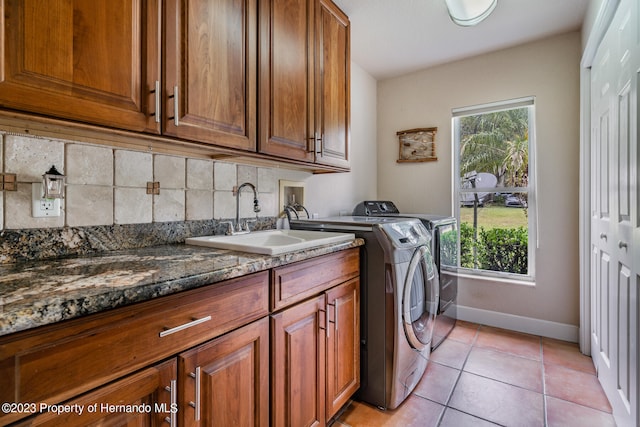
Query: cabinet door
(286, 79)
(332, 99)
(298, 364)
(147, 398)
(210, 68)
(343, 344)
(94, 61)
(226, 381)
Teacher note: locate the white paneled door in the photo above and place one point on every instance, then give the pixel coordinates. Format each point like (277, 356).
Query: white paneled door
(615, 212)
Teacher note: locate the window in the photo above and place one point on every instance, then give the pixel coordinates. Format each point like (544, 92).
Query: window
(494, 188)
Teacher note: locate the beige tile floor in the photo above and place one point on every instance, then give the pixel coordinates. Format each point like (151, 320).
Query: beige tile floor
(484, 376)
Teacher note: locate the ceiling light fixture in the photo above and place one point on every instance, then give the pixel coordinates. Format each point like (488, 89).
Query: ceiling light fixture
(470, 12)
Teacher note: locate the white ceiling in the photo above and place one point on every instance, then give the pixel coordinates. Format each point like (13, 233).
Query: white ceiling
(395, 37)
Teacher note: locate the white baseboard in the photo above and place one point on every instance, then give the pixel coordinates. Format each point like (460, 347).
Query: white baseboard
(529, 325)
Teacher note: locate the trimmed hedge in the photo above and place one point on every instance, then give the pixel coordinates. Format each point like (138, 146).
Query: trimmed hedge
(498, 249)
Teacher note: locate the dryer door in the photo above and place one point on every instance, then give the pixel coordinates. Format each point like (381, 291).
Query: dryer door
(420, 299)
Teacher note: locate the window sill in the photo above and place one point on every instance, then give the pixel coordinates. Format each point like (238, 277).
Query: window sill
(524, 281)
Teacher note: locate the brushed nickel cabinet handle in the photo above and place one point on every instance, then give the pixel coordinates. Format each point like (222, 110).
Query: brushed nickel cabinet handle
(603, 236)
(175, 95)
(196, 404)
(191, 324)
(622, 244)
(157, 96)
(176, 120)
(173, 389)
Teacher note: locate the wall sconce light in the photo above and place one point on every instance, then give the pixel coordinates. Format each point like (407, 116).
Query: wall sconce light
(53, 184)
(470, 12)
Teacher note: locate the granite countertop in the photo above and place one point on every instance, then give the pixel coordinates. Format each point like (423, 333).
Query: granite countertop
(38, 293)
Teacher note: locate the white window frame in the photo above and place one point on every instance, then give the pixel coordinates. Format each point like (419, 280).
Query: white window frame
(532, 211)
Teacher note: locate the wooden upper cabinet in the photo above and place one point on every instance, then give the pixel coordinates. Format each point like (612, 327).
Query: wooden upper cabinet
(287, 79)
(210, 70)
(94, 61)
(304, 81)
(333, 88)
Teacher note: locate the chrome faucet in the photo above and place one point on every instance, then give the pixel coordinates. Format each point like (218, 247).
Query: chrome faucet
(238, 228)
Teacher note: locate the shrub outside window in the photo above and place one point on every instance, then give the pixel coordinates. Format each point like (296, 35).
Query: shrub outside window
(494, 191)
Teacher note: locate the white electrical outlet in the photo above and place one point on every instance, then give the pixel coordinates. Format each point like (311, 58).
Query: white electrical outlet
(41, 207)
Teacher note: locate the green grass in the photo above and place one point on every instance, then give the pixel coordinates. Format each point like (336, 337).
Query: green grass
(495, 217)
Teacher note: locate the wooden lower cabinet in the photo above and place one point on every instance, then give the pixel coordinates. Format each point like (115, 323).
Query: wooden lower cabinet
(234, 353)
(226, 382)
(316, 357)
(343, 345)
(298, 364)
(146, 398)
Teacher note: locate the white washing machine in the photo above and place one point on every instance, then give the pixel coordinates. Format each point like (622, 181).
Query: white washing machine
(399, 302)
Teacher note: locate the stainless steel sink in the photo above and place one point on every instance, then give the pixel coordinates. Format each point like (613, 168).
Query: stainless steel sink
(272, 242)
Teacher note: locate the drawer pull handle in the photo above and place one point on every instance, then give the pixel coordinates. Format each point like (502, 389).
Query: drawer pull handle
(173, 389)
(183, 327)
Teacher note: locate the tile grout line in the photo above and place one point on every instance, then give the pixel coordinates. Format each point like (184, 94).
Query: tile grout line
(544, 384)
(446, 405)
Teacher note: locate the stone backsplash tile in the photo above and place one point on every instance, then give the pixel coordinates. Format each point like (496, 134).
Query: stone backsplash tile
(30, 157)
(133, 169)
(18, 210)
(89, 164)
(89, 205)
(247, 174)
(224, 204)
(224, 176)
(169, 171)
(199, 204)
(199, 174)
(169, 205)
(132, 206)
(106, 193)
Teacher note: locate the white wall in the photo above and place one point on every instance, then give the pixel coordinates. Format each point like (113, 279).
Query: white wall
(547, 69)
(330, 194)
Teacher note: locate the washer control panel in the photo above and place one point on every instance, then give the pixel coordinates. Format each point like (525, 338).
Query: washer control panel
(406, 234)
(375, 208)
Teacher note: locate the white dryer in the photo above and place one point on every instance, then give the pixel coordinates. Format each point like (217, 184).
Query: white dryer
(399, 302)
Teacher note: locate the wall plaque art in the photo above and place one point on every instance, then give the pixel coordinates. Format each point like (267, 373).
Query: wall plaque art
(417, 145)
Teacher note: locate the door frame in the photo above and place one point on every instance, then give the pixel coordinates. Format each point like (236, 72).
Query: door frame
(596, 34)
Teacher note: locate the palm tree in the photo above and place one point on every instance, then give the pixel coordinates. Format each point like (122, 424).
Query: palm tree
(496, 143)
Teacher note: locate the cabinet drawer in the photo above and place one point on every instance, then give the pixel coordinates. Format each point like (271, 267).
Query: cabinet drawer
(149, 387)
(295, 282)
(56, 362)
